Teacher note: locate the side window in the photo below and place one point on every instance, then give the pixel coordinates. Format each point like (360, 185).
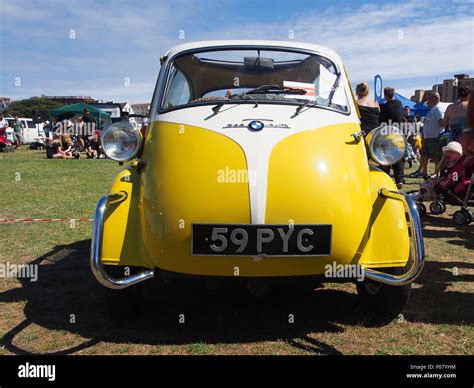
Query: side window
(179, 91)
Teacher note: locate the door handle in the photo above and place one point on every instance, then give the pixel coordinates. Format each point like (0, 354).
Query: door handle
(358, 136)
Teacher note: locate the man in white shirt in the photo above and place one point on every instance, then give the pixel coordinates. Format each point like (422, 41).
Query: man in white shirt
(3, 123)
(432, 127)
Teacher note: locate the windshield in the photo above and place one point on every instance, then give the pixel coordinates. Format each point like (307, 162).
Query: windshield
(271, 76)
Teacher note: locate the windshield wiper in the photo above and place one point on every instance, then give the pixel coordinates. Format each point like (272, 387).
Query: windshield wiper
(264, 89)
(217, 107)
(311, 103)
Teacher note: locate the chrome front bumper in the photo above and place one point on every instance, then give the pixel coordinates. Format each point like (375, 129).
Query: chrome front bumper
(416, 240)
(96, 248)
(409, 276)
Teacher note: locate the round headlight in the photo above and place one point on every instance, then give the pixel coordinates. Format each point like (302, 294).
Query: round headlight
(121, 141)
(386, 145)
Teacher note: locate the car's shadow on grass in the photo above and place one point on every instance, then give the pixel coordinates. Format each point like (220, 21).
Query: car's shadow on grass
(66, 297)
(458, 235)
(435, 302)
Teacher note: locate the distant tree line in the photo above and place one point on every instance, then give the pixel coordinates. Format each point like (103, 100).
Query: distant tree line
(32, 107)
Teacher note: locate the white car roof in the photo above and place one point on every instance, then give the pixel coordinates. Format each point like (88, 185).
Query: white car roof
(257, 43)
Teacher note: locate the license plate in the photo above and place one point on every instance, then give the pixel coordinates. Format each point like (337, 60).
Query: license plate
(260, 240)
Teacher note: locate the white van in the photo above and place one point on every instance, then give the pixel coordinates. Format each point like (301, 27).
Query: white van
(31, 132)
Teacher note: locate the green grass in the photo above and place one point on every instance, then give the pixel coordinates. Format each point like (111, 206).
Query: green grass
(33, 186)
(198, 349)
(438, 317)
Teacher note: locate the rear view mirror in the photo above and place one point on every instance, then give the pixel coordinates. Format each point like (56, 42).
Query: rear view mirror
(258, 63)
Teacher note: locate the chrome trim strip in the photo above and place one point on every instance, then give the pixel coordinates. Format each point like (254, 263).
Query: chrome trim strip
(96, 248)
(375, 168)
(416, 241)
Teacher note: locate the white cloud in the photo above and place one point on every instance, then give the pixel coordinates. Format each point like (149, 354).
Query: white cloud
(398, 41)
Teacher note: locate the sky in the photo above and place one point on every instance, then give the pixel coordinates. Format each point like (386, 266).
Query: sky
(110, 50)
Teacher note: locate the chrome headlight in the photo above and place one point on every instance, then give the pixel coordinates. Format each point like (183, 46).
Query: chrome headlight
(121, 141)
(386, 145)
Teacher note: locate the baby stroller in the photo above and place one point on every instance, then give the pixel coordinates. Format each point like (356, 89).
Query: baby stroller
(465, 200)
(464, 216)
(5, 145)
(462, 196)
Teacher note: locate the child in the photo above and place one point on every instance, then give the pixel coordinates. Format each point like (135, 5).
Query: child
(94, 148)
(447, 177)
(410, 155)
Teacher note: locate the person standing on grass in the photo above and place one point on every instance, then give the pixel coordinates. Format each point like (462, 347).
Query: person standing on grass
(467, 138)
(391, 113)
(88, 128)
(3, 122)
(3, 125)
(144, 127)
(455, 115)
(408, 119)
(409, 125)
(369, 109)
(89, 120)
(18, 128)
(455, 118)
(432, 127)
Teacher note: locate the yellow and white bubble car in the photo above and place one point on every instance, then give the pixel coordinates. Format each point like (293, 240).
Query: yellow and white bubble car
(254, 166)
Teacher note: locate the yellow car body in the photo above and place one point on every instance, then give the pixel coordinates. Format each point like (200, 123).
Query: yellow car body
(311, 169)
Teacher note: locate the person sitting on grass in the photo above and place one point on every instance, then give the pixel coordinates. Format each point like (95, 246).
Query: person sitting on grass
(63, 148)
(454, 176)
(52, 147)
(93, 149)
